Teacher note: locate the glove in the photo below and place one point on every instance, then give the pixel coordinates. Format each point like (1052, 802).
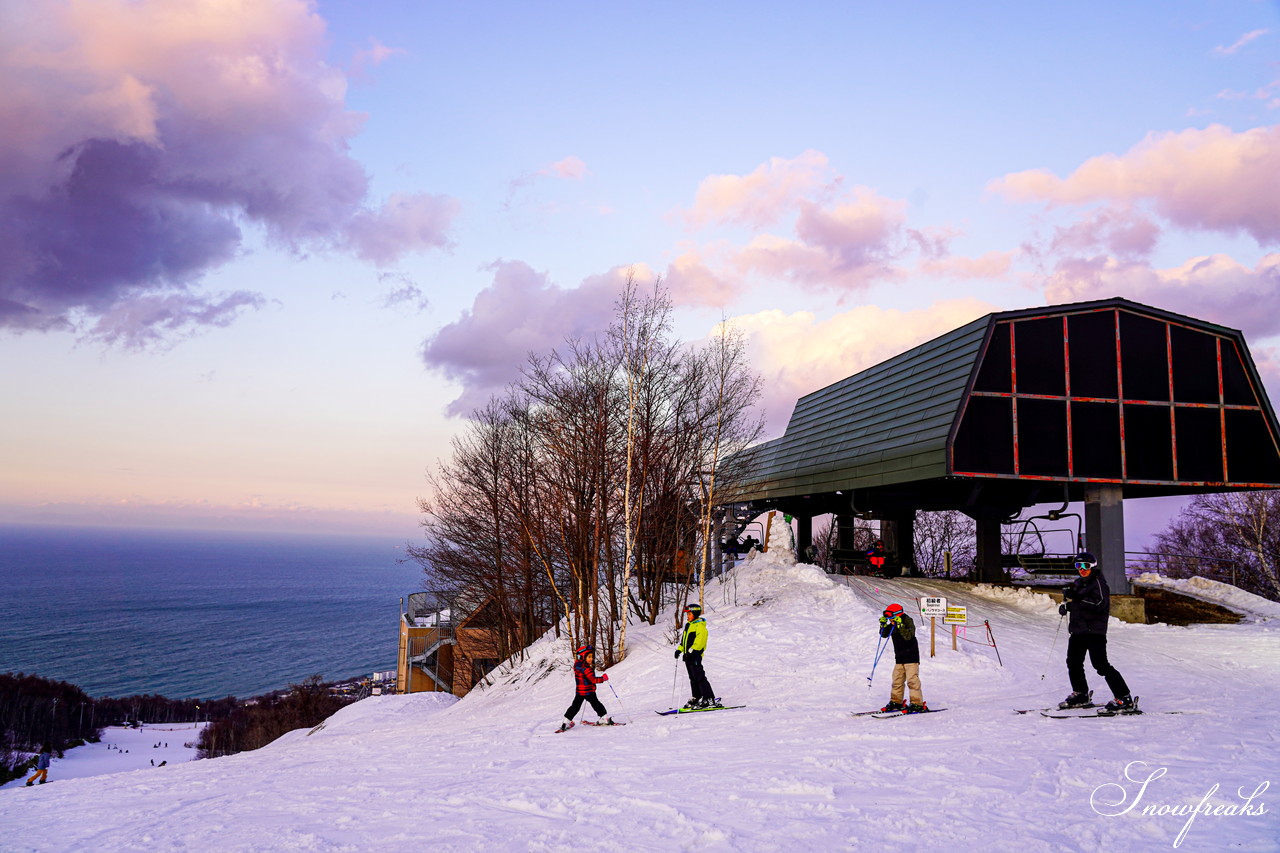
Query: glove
(1068, 594)
(604, 676)
(884, 620)
(1062, 609)
(677, 653)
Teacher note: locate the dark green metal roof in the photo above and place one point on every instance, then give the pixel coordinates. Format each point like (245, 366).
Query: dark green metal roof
(887, 424)
(895, 423)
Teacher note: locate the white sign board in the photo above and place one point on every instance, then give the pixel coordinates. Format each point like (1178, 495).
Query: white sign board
(933, 607)
(956, 616)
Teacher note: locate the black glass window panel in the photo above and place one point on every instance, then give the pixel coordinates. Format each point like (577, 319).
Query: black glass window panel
(1236, 390)
(1042, 437)
(996, 372)
(1144, 358)
(984, 442)
(1041, 361)
(1199, 445)
(1095, 439)
(1092, 339)
(1252, 456)
(1195, 366)
(1148, 443)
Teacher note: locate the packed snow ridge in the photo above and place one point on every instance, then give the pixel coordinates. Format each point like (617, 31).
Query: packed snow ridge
(790, 771)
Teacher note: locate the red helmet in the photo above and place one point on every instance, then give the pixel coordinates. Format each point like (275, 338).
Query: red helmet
(892, 610)
(585, 649)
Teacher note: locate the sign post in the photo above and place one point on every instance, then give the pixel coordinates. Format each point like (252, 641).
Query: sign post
(955, 617)
(933, 607)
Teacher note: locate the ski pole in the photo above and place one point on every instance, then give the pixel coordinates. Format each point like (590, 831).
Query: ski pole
(880, 647)
(621, 704)
(1052, 646)
(675, 675)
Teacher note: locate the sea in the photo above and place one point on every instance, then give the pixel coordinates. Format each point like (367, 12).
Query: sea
(198, 614)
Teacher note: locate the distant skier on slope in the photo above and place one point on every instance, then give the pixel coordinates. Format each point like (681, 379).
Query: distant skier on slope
(585, 679)
(42, 766)
(1088, 600)
(693, 642)
(906, 654)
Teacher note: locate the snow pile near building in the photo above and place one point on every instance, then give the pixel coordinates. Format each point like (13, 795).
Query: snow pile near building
(790, 771)
(1250, 606)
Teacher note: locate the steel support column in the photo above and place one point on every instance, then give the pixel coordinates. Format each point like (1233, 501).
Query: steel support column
(988, 551)
(804, 537)
(1104, 533)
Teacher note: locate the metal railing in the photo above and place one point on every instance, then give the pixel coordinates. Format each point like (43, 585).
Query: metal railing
(1181, 566)
(439, 612)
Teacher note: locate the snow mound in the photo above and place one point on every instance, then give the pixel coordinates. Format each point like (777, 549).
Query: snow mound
(1252, 607)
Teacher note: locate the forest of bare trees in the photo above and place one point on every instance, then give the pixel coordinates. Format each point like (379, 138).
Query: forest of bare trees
(1233, 537)
(585, 492)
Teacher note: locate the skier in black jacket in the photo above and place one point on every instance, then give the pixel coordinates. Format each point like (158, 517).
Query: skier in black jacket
(1088, 600)
(906, 653)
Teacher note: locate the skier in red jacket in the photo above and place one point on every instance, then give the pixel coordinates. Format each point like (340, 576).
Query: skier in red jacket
(584, 675)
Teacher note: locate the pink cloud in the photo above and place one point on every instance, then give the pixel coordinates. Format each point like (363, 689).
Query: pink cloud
(1121, 230)
(137, 138)
(417, 220)
(1212, 179)
(1240, 42)
(519, 313)
(691, 281)
(798, 353)
(989, 266)
(846, 246)
(570, 168)
(762, 197)
(158, 321)
(1214, 288)
(372, 56)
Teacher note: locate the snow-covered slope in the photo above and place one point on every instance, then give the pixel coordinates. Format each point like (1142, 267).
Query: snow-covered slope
(791, 771)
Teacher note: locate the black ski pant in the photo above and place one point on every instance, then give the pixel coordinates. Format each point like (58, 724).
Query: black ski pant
(698, 684)
(589, 698)
(1095, 645)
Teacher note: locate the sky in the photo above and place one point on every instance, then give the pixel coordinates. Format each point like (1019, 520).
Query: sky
(259, 258)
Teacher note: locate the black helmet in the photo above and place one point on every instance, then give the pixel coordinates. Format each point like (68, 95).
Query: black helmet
(1085, 560)
(584, 650)
(695, 609)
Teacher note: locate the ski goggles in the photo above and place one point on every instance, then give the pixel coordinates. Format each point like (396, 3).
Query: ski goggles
(1081, 565)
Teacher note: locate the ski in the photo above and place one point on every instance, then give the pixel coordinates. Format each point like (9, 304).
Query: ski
(891, 714)
(696, 710)
(602, 725)
(1054, 708)
(1131, 712)
(868, 713)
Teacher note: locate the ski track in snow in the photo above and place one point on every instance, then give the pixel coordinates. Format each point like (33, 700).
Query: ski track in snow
(792, 771)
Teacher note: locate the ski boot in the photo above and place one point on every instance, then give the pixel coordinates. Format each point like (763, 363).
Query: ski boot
(1122, 705)
(606, 721)
(916, 709)
(565, 726)
(692, 705)
(893, 706)
(1076, 700)
(714, 703)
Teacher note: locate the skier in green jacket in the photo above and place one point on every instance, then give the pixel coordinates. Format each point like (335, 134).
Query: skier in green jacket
(693, 642)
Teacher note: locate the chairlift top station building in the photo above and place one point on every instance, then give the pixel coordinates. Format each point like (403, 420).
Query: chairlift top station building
(1093, 402)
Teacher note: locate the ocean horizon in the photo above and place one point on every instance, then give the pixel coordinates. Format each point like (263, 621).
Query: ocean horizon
(197, 614)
